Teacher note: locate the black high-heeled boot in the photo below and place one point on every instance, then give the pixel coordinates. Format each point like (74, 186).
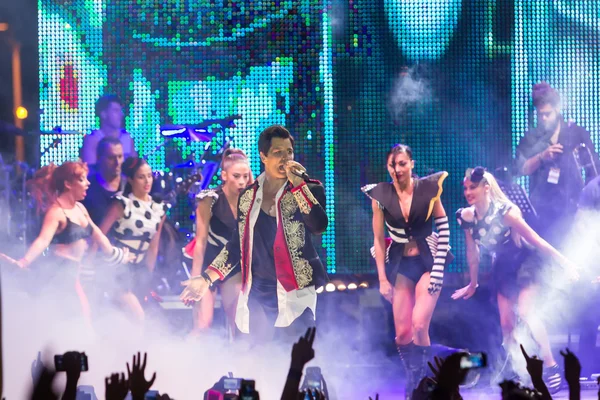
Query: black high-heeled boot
(420, 357)
(406, 353)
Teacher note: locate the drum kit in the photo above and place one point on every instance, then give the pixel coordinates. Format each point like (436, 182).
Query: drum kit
(178, 186)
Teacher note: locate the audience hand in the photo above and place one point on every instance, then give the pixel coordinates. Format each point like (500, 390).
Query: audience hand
(535, 366)
(72, 363)
(302, 351)
(313, 394)
(37, 366)
(572, 367)
(449, 375)
(376, 397)
(116, 387)
(42, 389)
(137, 381)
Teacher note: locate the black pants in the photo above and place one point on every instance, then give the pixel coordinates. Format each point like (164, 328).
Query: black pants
(262, 304)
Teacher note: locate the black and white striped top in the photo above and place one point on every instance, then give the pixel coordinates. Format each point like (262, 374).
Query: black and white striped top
(419, 224)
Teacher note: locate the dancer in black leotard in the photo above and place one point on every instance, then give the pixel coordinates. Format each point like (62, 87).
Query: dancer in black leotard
(215, 223)
(411, 265)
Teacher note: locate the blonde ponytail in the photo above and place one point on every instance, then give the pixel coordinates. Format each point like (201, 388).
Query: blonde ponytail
(497, 196)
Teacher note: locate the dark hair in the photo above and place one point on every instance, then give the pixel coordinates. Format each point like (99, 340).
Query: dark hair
(103, 102)
(544, 94)
(130, 168)
(103, 145)
(398, 149)
(475, 175)
(273, 131)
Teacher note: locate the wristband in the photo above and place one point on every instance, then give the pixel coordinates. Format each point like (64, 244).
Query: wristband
(207, 277)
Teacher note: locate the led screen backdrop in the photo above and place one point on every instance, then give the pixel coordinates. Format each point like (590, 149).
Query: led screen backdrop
(349, 78)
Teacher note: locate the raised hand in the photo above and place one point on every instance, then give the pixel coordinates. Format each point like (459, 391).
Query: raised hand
(137, 381)
(72, 363)
(448, 373)
(37, 366)
(313, 394)
(572, 367)
(302, 351)
(42, 389)
(376, 397)
(535, 366)
(116, 387)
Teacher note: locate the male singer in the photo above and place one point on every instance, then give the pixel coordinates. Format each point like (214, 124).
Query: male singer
(545, 153)
(280, 266)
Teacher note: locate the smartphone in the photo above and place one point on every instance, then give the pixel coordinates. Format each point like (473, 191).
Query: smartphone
(247, 390)
(473, 360)
(59, 362)
(232, 384)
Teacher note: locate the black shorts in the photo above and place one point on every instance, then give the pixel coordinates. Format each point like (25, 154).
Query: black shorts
(514, 269)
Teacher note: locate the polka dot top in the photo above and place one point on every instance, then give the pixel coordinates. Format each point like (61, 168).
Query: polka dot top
(139, 224)
(488, 232)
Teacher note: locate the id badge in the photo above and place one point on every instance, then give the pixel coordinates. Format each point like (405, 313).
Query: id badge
(554, 175)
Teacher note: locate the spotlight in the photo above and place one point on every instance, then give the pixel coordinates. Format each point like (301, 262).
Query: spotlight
(352, 286)
(330, 287)
(21, 112)
(320, 289)
(364, 285)
(341, 287)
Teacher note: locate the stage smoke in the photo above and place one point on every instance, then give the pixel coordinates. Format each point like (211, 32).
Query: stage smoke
(409, 89)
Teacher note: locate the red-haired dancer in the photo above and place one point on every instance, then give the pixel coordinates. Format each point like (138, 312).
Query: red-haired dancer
(66, 228)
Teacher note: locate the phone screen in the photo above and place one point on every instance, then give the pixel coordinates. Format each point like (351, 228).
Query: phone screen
(475, 360)
(232, 383)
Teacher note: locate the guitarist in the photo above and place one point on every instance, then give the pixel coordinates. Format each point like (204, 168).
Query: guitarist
(134, 221)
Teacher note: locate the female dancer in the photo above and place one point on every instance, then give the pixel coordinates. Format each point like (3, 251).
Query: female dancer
(216, 220)
(410, 272)
(135, 221)
(494, 223)
(66, 226)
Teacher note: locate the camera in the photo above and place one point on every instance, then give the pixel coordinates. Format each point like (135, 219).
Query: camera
(59, 363)
(229, 387)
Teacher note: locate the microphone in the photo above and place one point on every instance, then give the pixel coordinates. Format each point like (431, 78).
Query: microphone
(301, 174)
